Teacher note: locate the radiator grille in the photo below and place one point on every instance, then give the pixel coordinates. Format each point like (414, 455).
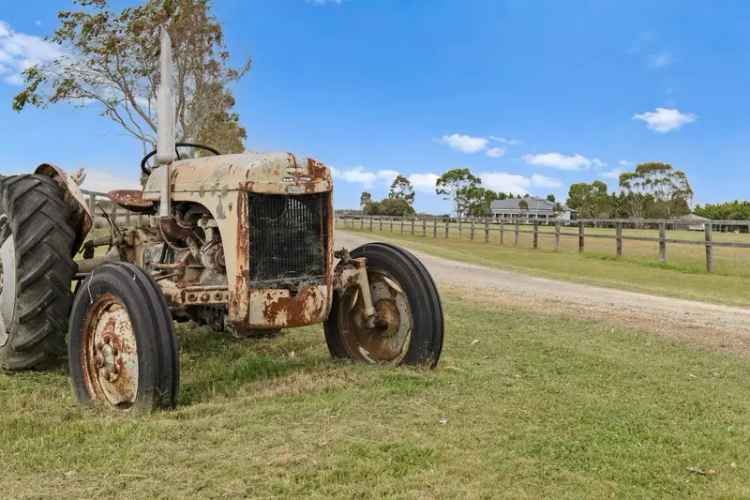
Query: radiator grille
(288, 239)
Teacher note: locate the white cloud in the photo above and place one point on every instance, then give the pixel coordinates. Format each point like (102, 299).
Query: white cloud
(561, 161)
(361, 175)
(506, 182)
(19, 51)
(504, 140)
(613, 174)
(624, 163)
(660, 59)
(664, 120)
(597, 163)
(424, 182)
(495, 152)
(545, 182)
(464, 143)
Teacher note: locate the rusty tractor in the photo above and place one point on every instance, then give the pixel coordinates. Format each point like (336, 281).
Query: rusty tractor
(242, 241)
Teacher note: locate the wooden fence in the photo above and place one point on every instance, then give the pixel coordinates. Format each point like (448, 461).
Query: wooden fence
(98, 201)
(483, 228)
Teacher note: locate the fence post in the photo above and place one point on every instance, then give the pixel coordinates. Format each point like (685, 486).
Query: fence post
(618, 232)
(708, 228)
(92, 202)
(472, 230)
(518, 231)
(412, 226)
(502, 233)
(557, 236)
(459, 228)
(361, 223)
(486, 231)
(380, 224)
(662, 242)
(424, 227)
(434, 228)
(447, 227)
(580, 237)
(536, 234)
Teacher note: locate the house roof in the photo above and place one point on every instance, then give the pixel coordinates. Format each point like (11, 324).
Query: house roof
(533, 203)
(691, 217)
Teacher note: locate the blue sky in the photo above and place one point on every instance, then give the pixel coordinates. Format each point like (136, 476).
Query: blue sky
(532, 96)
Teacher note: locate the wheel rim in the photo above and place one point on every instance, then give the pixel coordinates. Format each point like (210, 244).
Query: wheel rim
(7, 279)
(110, 354)
(388, 341)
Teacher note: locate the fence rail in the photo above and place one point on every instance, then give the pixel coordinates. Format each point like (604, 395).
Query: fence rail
(118, 214)
(442, 228)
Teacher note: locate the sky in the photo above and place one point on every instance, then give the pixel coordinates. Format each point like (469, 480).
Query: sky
(530, 95)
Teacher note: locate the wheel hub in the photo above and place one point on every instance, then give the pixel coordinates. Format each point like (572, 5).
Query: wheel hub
(388, 341)
(112, 354)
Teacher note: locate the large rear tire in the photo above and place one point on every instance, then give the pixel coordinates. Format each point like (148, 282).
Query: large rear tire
(36, 247)
(122, 349)
(409, 312)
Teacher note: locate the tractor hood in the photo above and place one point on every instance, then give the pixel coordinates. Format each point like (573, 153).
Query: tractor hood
(268, 173)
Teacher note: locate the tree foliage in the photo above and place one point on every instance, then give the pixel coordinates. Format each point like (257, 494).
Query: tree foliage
(113, 61)
(731, 210)
(458, 185)
(401, 189)
(364, 199)
(392, 207)
(590, 200)
(655, 189)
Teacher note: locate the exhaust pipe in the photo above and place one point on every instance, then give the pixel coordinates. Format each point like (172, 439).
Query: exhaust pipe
(165, 147)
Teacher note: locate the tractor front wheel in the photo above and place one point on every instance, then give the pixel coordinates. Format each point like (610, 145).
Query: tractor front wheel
(408, 328)
(122, 349)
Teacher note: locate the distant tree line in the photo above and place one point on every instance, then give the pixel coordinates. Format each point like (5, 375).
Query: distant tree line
(730, 210)
(398, 203)
(459, 185)
(653, 190)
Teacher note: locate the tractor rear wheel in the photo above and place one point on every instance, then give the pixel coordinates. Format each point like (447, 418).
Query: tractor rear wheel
(36, 247)
(409, 325)
(122, 349)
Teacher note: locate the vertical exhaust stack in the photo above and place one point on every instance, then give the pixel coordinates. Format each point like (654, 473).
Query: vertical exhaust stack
(165, 148)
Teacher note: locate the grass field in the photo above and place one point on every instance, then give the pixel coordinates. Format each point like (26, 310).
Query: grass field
(521, 406)
(682, 276)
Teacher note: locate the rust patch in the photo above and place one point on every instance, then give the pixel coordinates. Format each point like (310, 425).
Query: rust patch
(238, 304)
(132, 199)
(279, 308)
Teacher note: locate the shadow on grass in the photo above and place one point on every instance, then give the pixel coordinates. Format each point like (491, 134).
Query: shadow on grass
(217, 364)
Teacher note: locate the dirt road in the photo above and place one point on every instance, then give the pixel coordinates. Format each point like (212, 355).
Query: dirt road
(713, 326)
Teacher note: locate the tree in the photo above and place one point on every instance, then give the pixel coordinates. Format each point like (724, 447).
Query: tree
(731, 210)
(551, 197)
(456, 185)
(479, 201)
(590, 200)
(365, 199)
(402, 189)
(395, 207)
(523, 204)
(655, 189)
(112, 62)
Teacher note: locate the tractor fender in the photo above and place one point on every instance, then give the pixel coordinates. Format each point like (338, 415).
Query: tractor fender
(82, 219)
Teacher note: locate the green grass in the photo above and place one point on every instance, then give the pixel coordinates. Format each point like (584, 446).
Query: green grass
(522, 406)
(682, 276)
